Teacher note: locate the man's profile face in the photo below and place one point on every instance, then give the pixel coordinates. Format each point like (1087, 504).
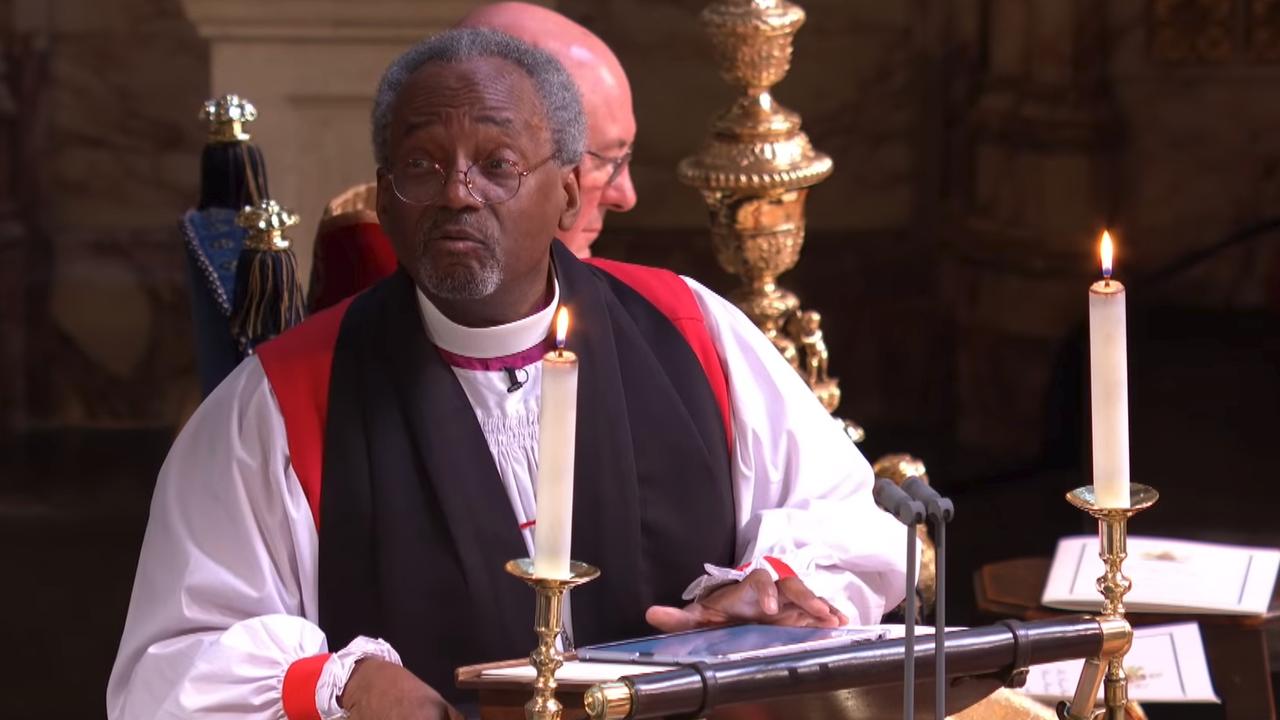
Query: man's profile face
(611, 132)
(484, 113)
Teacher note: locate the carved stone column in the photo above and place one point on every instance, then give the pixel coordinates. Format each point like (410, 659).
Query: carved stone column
(1036, 185)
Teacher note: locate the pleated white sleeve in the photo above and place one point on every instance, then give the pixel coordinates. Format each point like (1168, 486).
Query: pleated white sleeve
(802, 489)
(224, 600)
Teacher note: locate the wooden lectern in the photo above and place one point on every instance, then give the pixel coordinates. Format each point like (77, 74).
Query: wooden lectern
(854, 683)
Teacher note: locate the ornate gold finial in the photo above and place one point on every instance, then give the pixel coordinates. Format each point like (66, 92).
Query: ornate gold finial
(754, 173)
(266, 223)
(227, 117)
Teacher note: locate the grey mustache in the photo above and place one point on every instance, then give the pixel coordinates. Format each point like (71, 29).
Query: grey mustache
(454, 229)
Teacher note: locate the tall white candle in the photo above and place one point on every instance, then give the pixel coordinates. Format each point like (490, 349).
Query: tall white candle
(557, 427)
(1109, 386)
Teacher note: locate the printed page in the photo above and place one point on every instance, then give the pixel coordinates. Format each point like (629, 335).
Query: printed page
(1168, 576)
(1165, 665)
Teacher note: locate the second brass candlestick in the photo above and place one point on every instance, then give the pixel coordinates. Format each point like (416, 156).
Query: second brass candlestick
(548, 621)
(1113, 535)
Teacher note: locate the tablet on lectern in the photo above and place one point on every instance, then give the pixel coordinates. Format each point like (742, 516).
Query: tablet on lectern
(722, 644)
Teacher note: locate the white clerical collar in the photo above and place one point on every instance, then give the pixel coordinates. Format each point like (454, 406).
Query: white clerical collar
(488, 342)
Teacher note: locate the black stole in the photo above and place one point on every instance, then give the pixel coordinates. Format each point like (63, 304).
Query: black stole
(416, 526)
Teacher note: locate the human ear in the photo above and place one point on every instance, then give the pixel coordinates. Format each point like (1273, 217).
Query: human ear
(573, 200)
(386, 195)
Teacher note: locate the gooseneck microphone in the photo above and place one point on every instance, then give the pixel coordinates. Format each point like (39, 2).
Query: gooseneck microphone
(940, 511)
(890, 498)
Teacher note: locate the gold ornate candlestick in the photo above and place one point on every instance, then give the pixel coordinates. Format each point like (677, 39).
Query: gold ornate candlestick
(548, 622)
(754, 173)
(1113, 537)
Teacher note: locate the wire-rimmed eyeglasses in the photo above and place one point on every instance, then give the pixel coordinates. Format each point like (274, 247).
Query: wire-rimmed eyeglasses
(419, 181)
(618, 163)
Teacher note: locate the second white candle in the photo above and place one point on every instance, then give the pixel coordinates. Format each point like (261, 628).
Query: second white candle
(1109, 388)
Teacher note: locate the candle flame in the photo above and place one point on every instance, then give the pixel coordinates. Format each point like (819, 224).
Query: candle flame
(562, 326)
(1107, 251)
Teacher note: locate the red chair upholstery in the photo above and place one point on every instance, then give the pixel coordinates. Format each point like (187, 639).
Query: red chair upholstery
(351, 251)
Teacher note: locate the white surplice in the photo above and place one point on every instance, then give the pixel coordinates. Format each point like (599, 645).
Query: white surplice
(225, 597)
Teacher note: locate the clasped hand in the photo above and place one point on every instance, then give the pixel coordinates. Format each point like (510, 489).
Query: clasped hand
(756, 598)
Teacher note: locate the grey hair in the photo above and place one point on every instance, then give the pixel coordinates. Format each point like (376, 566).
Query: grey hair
(556, 89)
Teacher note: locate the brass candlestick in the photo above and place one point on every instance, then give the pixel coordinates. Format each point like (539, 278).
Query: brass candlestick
(548, 622)
(754, 173)
(1113, 537)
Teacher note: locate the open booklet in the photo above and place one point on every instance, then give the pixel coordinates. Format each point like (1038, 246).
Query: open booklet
(1174, 576)
(1166, 664)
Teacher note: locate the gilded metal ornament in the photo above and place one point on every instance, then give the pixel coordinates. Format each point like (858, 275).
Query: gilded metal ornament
(609, 700)
(227, 117)
(754, 173)
(266, 223)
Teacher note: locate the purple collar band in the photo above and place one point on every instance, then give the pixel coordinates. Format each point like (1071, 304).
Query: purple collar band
(496, 364)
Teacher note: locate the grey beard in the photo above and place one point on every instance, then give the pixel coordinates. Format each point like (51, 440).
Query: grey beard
(457, 284)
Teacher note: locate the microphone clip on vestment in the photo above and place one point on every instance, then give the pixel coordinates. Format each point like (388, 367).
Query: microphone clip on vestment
(910, 512)
(940, 511)
(513, 378)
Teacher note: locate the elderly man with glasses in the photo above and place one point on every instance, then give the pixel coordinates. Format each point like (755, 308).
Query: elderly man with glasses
(328, 534)
(351, 251)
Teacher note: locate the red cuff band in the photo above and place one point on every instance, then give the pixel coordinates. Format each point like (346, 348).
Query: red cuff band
(784, 570)
(299, 691)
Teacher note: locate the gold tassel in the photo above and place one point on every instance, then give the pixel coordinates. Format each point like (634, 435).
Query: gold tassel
(268, 294)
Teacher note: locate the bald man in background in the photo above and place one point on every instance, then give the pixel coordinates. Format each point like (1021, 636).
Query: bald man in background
(605, 176)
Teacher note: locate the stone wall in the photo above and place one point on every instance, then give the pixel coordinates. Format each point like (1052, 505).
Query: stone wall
(104, 174)
(1145, 117)
(1202, 152)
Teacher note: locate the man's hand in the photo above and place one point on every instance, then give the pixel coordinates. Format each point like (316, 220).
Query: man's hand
(381, 690)
(757, 598)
